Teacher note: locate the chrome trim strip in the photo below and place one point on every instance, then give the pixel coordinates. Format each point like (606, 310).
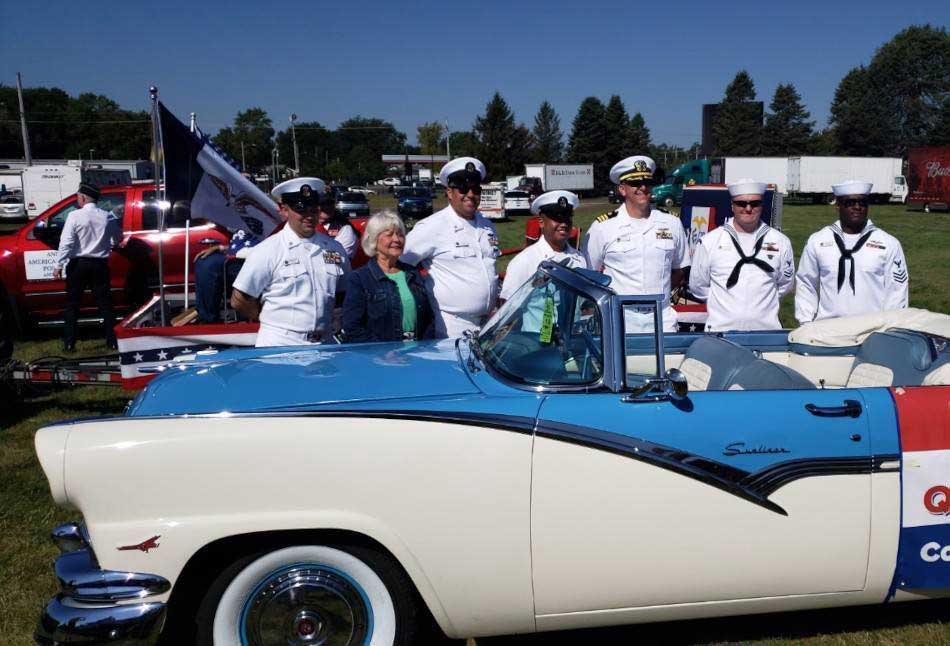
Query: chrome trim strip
(768, 480)
(83, 581)
(129, 625)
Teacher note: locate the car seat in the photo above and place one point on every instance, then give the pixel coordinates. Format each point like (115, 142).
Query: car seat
(895, 358)
(711, 362)
(762, 374)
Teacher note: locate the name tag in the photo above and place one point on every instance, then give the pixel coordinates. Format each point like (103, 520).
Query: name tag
(826, 244)
(664, 234)
(769, 246)
(873, 244)
(291, 262)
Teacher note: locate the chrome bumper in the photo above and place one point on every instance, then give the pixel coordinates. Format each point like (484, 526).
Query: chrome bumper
(97, 606)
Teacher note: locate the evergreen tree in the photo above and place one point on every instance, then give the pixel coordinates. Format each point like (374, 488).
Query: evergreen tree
(940, 135)
(738, 123)
(547, 136)
(252, 128)
(637, 136)
(858, 118)
(787, 130)
(463, 143)
(822, 143)
(910, 77)
(502, 146)
(313, 146)
(616, 123)
(589, 140)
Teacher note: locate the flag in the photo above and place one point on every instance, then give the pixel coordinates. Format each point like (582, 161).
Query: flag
(197, 172)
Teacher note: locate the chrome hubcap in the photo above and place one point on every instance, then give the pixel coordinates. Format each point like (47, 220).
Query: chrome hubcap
(305, 605)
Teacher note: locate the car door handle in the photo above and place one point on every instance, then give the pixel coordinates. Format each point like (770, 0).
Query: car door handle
(208, 241)
(851, 408)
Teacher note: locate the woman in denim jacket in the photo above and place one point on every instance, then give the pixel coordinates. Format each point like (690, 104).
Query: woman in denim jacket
(386, 300)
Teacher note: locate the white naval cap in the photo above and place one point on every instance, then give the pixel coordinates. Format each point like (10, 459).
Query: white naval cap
(300, 190)
(851, 187)
(559, 200)
(463, 165)
(747, 186)
(632, 168)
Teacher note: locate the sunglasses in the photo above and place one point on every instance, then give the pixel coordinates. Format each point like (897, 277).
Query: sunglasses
(745, 203)
(854, 202)
(474, 187)
(639, 183)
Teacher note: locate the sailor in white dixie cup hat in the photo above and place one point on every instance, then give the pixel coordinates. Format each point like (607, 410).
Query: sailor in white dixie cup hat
(458, 246)
(744, 267)
(851, 266)
(643, 250)
(290, 281)
(556, 210)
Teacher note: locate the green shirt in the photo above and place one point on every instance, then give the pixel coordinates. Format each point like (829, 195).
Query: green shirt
(408, 302)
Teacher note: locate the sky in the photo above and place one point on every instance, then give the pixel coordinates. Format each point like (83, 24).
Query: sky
(411, 63)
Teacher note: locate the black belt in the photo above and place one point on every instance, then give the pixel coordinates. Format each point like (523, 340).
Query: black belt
(848, 254)
(746, 260)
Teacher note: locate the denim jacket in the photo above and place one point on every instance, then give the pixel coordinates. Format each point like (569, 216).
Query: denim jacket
(372, 309)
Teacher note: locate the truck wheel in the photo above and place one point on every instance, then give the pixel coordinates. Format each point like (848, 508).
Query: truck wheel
(309, 594)
(669, 202)
(927, 207)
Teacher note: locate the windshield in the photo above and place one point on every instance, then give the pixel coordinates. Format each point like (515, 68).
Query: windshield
(546, 334)
(352, 197)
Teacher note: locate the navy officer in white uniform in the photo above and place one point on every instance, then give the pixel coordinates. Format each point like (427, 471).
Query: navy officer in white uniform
(851, 266)
(458, 246)
(643, 250)
(743, 268)
(290, 281)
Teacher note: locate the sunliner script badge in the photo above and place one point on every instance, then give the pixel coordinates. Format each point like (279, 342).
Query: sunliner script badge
(739, 448)
(144, 546)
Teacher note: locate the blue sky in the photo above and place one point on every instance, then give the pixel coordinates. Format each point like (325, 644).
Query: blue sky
(415, 62)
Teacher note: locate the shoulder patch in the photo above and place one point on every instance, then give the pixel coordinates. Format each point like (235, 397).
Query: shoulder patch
(603, 217)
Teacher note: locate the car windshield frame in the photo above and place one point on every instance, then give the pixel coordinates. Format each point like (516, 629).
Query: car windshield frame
(353, 196)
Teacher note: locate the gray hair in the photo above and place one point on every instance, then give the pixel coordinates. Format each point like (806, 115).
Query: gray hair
(382, 221)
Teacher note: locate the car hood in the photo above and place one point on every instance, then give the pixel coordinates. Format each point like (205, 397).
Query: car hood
(300, 378)
(415, 200)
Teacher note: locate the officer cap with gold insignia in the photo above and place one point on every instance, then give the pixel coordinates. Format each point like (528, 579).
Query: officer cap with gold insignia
(852, 187)
(746, 186)
(462, 171)
(636, 168)
(300, 192)
(555, 204)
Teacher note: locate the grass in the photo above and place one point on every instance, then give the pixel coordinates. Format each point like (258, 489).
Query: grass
(27, 512)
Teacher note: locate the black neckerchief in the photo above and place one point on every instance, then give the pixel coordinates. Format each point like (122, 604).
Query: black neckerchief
(745, 260)
(847, 254)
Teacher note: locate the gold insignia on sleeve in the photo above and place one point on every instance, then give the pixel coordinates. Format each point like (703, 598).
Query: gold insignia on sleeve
(603, 217)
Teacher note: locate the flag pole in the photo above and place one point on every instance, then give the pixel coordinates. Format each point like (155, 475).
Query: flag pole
(193, 127)
(156, 144)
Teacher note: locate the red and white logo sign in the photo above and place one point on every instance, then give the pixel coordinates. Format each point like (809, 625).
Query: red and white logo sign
(937, 500)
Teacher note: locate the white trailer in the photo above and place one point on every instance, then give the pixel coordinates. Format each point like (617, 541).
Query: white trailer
(771, 170)
(812, 177)
(512, 181)
(45, 185)
(567, 177)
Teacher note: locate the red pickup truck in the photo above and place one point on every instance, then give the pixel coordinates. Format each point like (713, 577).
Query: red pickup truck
(30, 296)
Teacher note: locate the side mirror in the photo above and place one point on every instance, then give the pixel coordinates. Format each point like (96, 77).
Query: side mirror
(43, 231)
(678, 387)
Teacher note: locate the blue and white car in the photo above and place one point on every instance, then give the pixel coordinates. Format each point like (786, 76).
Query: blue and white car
(551, 472)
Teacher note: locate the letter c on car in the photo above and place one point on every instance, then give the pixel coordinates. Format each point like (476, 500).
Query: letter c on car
(937, 500)
(929, 552)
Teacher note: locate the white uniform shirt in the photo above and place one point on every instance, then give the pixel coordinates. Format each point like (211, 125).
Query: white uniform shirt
(346, 236)
(639, 254)
(297, 279)
(525, 265)
(752, 302)
(89, 232)
(459, 255)
(880, 275)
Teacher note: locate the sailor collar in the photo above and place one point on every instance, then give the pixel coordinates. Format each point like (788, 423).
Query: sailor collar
(731, 230)
(836, 228)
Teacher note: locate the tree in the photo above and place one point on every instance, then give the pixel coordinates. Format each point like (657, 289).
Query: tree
(588, 140)
(738, 123)
(547, 136)
(858, 119)
(787, 130)
(822, 143)
(431, 139)
(616, 122)
(502, 146)
(250, 140)
(463, 143)
(940, 136)
(314, 143)
(375, 138)
(637, 135)
(910, 78)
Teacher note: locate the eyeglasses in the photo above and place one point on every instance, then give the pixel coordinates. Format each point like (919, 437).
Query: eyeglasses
(854, 202)
(474, 187)
(639, 183)
(746, 203)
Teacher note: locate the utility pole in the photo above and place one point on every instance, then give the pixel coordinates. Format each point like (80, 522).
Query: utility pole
(243, 160)
(27, 155)
(448, 137)
(194, 121)
(293, 133)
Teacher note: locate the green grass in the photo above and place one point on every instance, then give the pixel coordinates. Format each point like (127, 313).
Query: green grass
(27, 512)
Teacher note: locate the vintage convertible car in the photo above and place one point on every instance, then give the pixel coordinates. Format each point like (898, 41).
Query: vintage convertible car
(551, 472)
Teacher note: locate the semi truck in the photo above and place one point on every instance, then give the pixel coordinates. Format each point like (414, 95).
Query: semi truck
(720, 170)
(929, 178)
(812, 177)
(567, 177)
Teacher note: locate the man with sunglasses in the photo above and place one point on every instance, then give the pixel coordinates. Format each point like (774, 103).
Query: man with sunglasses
(851, 266)
(290, 281)
(743, 268)
(458, 247)
(643, 250)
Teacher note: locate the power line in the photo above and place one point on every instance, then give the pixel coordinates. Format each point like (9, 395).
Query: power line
(78, 122)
